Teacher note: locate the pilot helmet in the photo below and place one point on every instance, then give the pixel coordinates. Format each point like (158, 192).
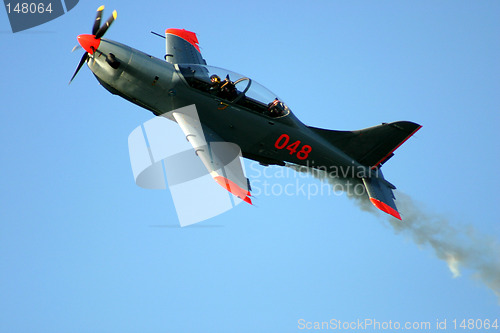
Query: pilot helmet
(215, 78)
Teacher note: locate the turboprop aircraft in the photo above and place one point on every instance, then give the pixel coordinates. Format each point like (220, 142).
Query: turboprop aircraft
(235, 109)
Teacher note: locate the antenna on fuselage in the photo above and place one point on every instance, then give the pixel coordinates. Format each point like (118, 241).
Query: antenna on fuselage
(157, 34)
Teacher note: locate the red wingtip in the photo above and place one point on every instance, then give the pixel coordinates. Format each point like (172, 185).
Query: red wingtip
(89, 43)
(234, 189)
(189, 36)
(385, 208)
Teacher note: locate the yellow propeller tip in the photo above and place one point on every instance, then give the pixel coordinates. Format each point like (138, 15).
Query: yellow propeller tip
(100, 9)
(114, 14)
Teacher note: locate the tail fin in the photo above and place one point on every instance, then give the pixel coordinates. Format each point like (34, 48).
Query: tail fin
(371, 146)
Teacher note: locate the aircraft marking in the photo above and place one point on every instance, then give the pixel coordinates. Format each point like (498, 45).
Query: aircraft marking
(284, 139)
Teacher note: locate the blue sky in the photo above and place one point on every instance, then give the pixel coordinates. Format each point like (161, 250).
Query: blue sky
(83, 249)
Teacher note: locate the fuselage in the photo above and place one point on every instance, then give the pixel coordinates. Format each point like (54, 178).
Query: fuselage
(160, 87)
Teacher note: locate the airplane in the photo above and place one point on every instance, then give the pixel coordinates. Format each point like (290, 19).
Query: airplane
(235, 109)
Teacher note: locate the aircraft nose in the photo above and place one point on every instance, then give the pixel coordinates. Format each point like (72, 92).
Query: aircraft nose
(89, 42)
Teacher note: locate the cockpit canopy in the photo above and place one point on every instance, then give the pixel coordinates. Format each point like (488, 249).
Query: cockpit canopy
(234, 88)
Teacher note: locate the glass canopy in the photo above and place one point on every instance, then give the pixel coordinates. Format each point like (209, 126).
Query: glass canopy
(234, 88)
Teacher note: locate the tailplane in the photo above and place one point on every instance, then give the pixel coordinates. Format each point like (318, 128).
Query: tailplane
(380, 193)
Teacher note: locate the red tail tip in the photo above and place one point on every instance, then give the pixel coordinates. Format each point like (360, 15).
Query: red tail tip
(385, 208)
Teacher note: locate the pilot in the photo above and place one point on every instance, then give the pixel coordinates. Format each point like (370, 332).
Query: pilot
(215, 79)
(226, 89)
(215, 84)
(276, 108)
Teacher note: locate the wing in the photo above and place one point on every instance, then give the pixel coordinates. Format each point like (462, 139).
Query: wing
(159, 152)
(219, 157)
(182, 47)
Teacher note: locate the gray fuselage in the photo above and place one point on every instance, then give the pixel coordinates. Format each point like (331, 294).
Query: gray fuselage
(160, 87)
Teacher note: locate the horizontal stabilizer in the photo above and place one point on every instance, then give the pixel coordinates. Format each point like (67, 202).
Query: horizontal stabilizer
(381, 195)
(371, 146)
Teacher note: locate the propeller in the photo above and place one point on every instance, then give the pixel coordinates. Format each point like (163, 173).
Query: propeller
(102, 30)
(90, 43)
(82, 61)
(97, 22)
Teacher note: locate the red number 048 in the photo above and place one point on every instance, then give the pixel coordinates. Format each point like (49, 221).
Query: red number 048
(283, 141)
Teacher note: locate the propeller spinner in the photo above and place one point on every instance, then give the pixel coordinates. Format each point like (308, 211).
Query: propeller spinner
(90, 43)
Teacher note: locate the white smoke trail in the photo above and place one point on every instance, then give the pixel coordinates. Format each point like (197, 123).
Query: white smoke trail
(461, 247)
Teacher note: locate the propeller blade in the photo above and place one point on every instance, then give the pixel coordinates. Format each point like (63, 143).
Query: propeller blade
(82, 61)
(97, 22)
(76, 47)
(102, 30)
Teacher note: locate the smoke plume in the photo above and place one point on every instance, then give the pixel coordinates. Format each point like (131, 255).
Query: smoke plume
(461, 247)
